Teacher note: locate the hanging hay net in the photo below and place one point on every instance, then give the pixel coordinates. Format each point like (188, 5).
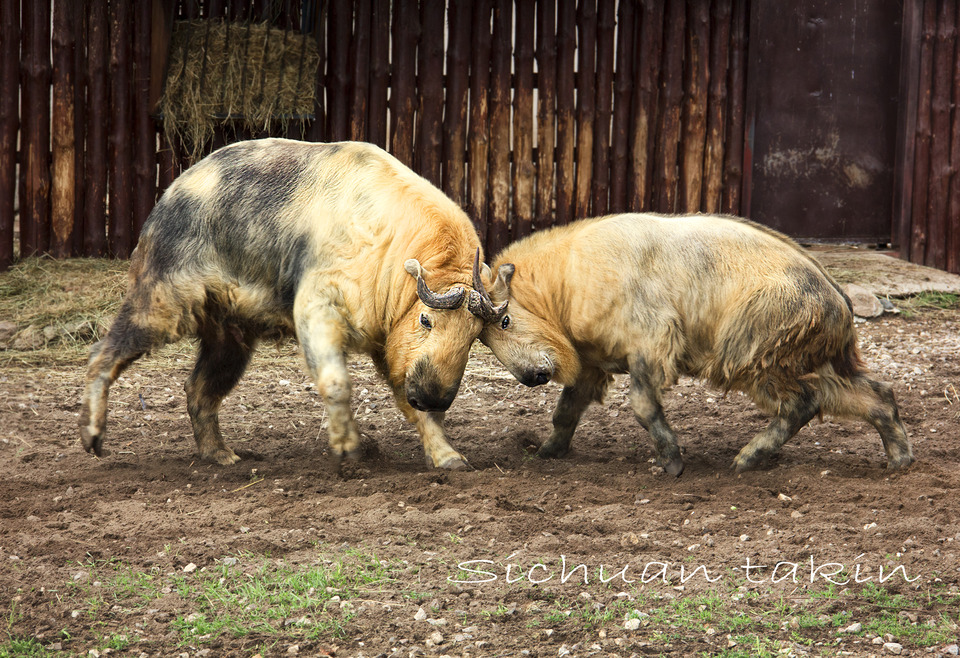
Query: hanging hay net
(236, 75)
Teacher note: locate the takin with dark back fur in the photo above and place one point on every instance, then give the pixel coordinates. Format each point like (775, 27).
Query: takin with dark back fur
(716, 298)
(339, 244)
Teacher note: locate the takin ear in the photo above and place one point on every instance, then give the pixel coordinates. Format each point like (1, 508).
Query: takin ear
(413, 268)
(501, 287)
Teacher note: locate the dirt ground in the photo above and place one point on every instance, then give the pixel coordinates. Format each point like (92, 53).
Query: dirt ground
(150, 506)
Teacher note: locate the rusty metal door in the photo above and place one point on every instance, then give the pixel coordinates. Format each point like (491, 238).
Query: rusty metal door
(822, 117)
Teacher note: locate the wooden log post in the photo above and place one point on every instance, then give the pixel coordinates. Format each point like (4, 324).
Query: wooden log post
(645, 103)
(940, 172)
(668, 126)
(716, 106)
(95, 177)
(736, 95)
(35, 129)
(120, 235)
(360, 71)
(145, 130)
(63, 175)
(546, 55)
(600, 183)
(78, 19)
(623, 85)
(566, 121)
(9, 124)
(953, 205)
(403, 92)
(338, 73)
(586, 103)
(429, 136)
(524, 167)
(379, 73)
(498, 231)
(455, 115)
(478, 141)
(694, 114)
(317, 130)
(921, 171)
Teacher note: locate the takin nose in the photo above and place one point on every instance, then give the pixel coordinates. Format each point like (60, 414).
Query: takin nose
(536, 377)
(425, 392)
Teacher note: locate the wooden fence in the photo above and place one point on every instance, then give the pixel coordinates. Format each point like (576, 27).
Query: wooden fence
(528, 113)
(927, 199)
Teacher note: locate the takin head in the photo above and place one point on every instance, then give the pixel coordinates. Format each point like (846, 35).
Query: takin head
(430, 344)
(529, 340)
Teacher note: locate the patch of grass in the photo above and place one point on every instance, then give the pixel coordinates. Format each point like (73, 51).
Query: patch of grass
(927, 301)
(24, 648)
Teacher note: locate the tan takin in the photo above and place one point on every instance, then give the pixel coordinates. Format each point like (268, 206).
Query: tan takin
(716, 298)
(339, 244)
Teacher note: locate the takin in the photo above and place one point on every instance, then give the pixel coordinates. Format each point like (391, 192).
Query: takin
(716, 298)
(338, 244)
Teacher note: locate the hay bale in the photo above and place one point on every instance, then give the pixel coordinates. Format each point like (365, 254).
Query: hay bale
(247, 75)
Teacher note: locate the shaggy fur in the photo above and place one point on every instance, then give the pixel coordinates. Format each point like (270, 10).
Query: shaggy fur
(716, 298)
(271, 237)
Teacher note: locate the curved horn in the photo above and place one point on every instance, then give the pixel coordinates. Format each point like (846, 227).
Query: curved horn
(448, 300)
(479, 302)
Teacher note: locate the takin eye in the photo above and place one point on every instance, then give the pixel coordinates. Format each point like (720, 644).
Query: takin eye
(505, 322)
(425, 322)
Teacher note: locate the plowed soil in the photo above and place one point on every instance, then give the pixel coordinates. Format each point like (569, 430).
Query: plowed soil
(152, 507)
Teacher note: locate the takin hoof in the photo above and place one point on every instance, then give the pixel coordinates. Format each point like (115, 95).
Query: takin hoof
(223, 456)
(347, 464)
(900, 463)
(92, 442)
(674, 467)
(552, 451)
(457, 463)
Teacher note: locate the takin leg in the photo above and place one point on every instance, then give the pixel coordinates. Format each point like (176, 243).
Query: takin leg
(222, 357)
(126, 342)
(646, 385)
(574, 400)
(321, 334)
(793, 415)
(874, 402)
(438, 451)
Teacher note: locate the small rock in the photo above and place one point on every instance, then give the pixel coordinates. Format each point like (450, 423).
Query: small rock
(744, 537)
(190, 568)
(877, 640)
(30, 338)
(436, 637)
(7, 331)
(293, 649)
(952, 650)
(563, 651)
(894, 648)
(865, 304)
(855, 627)
(50, 332)
(421, 615)
(795, 514)
(632, 624)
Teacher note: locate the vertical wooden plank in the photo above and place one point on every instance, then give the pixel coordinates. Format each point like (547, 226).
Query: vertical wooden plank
(953, 205)
(498, 231)
(694, 113)
(338, 75)
(9, 124)
(921, 170)
(940, 173)
(623, 85)
(566, 122)
(524, 168)
(145, 145)
(403, 93)
(735, 138)
(546, 111)
(458, 88)
(600, 185)
(429, 136)
(646, 94)
(478, 136)
(906, 125)
(668, 126)
(716, 106)
(379, 73)
(95, 204)
(35, 129)
(63, 176)
(317, 130)
(78, 14)
(586, 102)
(120, 235)
(360, 68)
